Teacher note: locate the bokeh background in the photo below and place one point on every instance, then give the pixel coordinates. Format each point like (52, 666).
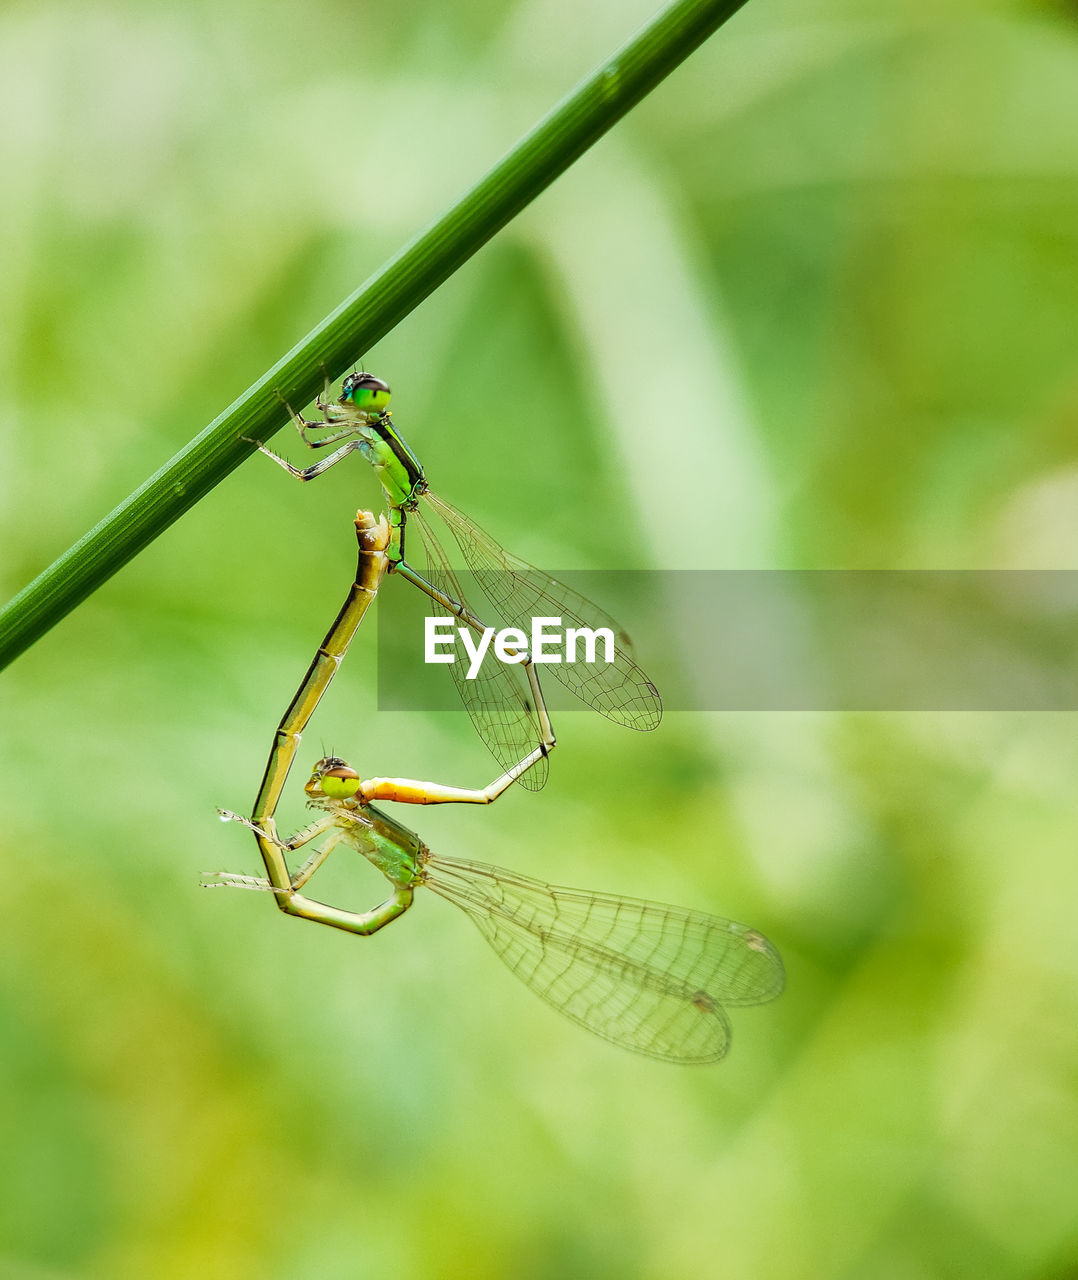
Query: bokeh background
(833, 262)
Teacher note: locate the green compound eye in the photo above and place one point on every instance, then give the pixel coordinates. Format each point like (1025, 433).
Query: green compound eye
(340, 784)
(366, 392)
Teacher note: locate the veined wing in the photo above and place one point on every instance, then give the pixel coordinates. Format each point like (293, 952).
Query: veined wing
(502, 715)
(649, 977)
(618, 690)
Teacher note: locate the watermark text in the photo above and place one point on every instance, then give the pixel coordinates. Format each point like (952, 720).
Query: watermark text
(547, 643)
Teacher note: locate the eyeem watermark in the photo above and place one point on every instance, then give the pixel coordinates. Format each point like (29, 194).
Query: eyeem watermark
(548, 643)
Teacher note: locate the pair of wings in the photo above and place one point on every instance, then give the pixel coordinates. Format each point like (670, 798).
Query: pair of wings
(502, 716)
(649, 977)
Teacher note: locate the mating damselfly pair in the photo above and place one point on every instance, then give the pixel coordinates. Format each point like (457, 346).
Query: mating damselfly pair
(650, 977)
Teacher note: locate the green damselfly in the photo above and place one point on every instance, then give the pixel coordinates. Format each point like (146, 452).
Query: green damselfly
(518, 591)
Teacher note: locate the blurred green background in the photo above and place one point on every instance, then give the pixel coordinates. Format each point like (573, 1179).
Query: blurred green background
(835, 257)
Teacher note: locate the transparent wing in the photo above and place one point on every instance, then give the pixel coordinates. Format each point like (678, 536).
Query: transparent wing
(618, 690)
(649, 977)
(502, 715)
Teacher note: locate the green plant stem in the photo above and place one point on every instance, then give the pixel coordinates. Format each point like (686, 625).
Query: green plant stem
(365, 316)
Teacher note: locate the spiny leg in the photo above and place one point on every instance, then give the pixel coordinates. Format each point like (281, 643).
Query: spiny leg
(303, 424)
(296, 904)
(298, 879)
(304, 836)
(233, 880)
(318, 468)
(331, 415)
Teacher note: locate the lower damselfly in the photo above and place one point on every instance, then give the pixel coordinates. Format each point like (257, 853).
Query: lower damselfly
(649, 977)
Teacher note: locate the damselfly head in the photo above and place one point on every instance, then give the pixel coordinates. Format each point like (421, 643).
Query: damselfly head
(333, 779)
(366, 392)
